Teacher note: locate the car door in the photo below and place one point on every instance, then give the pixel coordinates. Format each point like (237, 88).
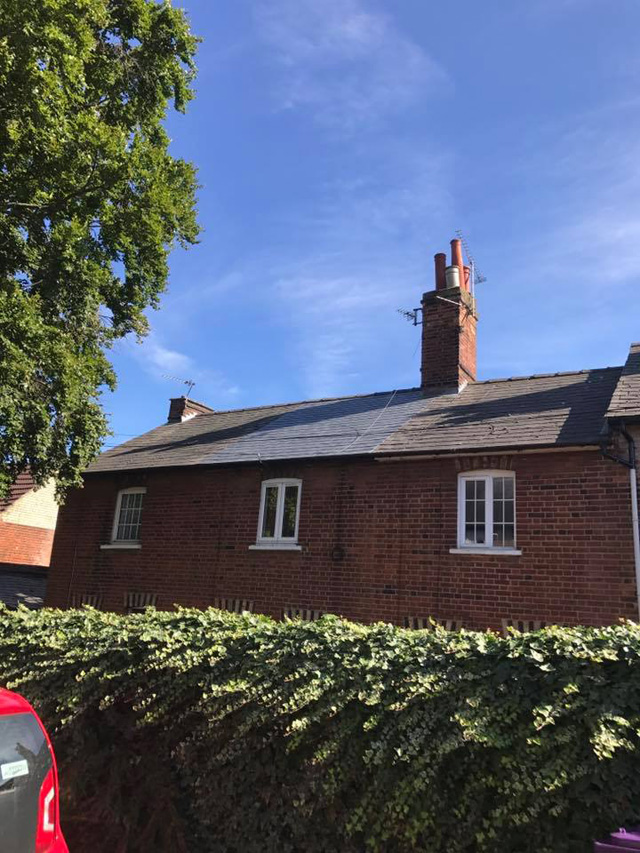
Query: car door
(25, 761)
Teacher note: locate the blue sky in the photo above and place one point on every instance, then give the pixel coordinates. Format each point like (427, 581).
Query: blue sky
(340, 144)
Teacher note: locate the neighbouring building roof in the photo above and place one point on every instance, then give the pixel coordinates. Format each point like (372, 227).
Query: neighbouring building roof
(551, 410)
(26, 587)
(625, 402)
(20, 486)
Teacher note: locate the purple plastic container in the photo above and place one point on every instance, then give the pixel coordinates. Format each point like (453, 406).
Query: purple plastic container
(618, 842)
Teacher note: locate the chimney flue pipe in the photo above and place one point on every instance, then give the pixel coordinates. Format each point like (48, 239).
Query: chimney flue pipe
(456, 259)
(441, 275)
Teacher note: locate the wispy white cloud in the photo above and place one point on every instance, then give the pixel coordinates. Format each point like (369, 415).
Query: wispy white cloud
(574, 262)
(346, 63)
(401, 196)
(336, 266)
(207, 289)
(594, 220)
(159, 359)
(364, 254)
(333, 318)
(164, 363)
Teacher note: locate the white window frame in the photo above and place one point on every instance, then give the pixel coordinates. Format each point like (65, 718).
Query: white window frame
(125, 543)
(281, 542)
(488, 547)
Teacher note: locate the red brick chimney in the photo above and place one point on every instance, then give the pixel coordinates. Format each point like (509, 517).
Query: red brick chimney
(182, 408)
(449, 321)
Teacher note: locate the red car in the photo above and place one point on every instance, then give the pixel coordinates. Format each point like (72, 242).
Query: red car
(29, 807)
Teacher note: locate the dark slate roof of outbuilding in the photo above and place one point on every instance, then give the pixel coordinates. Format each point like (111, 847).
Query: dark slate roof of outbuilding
(563, 409)
(625, 402)
(26, 587)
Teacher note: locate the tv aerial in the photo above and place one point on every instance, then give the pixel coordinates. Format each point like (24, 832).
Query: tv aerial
(190, 383)
(411, 316)
(476, 276)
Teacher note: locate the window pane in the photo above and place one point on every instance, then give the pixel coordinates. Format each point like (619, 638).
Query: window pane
(290, 510)
(269, 516)
(509, 535)
(503, 512)
(470, 509)
(474, 512)
(130, 517)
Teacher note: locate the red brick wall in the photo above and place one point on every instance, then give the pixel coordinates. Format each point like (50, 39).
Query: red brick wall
(25, 545)
(449, 346)
(395, 523)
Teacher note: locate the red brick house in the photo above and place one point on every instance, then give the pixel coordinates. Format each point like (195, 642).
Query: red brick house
(473, 502)
(27, 523)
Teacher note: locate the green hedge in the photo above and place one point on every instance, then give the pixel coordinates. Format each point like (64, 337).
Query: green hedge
(204, 731)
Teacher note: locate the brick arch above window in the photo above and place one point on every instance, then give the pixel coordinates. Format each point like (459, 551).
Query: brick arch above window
(495, 462)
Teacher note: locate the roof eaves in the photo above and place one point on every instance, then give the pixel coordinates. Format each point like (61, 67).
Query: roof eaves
(227, 463)
(489, 449)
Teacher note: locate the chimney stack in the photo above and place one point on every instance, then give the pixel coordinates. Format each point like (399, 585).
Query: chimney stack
(182, 409)
(449, 321)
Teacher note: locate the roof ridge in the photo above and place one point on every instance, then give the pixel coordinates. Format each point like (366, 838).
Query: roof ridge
(545, 375)
(303, 402)
(403, 391)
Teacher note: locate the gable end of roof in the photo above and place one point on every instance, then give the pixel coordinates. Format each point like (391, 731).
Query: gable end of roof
(625, 402)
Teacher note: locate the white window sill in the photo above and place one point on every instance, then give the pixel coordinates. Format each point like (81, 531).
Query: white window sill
(121, 546)
(276, 546)
(492, 552)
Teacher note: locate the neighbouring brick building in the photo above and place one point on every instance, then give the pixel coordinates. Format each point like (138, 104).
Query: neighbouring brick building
(27, 524)
(471, 502)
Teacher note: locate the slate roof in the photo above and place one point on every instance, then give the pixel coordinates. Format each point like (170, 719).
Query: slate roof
(563, 409)
(625, 402)
(333, 427)
(26, 587)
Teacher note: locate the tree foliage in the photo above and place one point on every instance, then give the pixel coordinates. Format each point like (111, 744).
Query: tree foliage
(203, 731)
(91, 203)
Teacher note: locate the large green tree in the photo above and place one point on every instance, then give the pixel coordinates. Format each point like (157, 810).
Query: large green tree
(91, 203)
